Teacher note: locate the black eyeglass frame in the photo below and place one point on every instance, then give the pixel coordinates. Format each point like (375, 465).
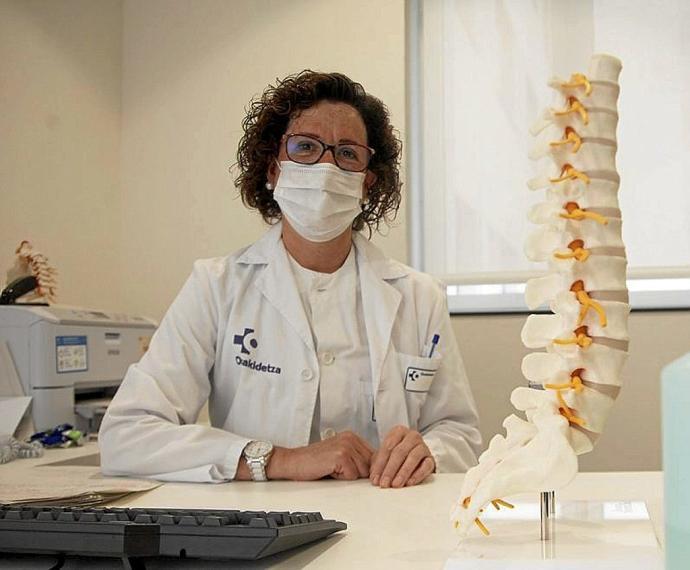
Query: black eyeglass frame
(326, 147)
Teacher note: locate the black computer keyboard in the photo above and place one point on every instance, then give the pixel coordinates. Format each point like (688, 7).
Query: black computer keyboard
(134, 534)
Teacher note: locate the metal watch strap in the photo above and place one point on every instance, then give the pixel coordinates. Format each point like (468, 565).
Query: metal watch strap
(257, 469)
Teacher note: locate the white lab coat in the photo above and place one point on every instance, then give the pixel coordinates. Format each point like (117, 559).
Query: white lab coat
(237, 336)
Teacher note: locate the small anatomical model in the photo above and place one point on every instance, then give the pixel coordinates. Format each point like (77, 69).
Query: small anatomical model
(30, 263)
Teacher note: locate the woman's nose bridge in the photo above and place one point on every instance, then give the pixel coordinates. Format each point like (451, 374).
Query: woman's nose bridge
(328, 155)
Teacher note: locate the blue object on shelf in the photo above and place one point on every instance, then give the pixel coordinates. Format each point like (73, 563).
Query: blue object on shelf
(63, 435)
(675, 402)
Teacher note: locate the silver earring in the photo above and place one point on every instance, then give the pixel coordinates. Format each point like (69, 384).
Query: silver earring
(269, 186)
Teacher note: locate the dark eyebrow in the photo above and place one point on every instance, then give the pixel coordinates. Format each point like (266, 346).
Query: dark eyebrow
(341, 141)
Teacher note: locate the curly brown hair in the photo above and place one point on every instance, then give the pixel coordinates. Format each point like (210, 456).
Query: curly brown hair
(267, 121)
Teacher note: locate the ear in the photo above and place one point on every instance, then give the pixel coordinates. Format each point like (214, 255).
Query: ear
(369, 181)
(273, 172)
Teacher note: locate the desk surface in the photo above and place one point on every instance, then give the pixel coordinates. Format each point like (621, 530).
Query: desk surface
(387, 528)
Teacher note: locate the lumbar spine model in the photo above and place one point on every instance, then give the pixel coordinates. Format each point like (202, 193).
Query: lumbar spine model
(576, 376)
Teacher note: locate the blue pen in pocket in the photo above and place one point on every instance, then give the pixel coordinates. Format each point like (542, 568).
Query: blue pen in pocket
(434, 342)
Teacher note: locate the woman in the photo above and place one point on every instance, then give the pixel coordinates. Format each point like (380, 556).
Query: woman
(318, 356)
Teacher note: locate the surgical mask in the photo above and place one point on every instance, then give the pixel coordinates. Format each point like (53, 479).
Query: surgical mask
(319, 200)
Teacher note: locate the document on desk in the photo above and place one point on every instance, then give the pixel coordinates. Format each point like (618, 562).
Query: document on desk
(82, 486)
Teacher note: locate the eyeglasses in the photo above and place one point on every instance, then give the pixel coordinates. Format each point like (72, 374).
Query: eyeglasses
(309, 150)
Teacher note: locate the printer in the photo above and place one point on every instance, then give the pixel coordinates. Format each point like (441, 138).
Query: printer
(67, 358)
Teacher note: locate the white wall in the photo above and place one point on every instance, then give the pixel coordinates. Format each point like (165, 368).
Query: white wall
(60, 77)
(119, 120)
(189, 71)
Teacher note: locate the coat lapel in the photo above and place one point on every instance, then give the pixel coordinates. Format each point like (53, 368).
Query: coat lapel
(277, 283)
(380, 302)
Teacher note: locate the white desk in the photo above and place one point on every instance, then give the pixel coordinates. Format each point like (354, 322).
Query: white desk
(387, 528)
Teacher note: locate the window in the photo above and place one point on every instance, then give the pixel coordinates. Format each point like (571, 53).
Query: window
(477, 74)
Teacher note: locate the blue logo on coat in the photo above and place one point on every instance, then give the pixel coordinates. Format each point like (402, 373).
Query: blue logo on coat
(246, 339)
(247, 343)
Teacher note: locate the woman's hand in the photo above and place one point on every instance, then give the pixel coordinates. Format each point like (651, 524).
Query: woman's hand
(403, 459)
(343, 456)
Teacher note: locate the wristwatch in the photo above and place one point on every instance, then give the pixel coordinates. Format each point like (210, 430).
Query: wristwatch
(257, 454)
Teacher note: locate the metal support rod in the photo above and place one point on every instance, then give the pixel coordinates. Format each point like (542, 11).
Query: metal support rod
(548, 515)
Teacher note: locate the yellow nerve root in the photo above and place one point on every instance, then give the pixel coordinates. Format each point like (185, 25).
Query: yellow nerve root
(569, 172)
(567, 412)
(582, 339)
(574, 212)
(588, 303)
(574, 384)
(574, 106)
(578, 287)
(569, 137)
(498, 503)
(577, 251)
(579, 80)
(481, 526)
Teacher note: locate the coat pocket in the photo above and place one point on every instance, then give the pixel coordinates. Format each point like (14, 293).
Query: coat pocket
(418, 372)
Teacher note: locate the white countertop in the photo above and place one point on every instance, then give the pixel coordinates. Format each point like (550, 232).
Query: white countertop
(387, 528)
